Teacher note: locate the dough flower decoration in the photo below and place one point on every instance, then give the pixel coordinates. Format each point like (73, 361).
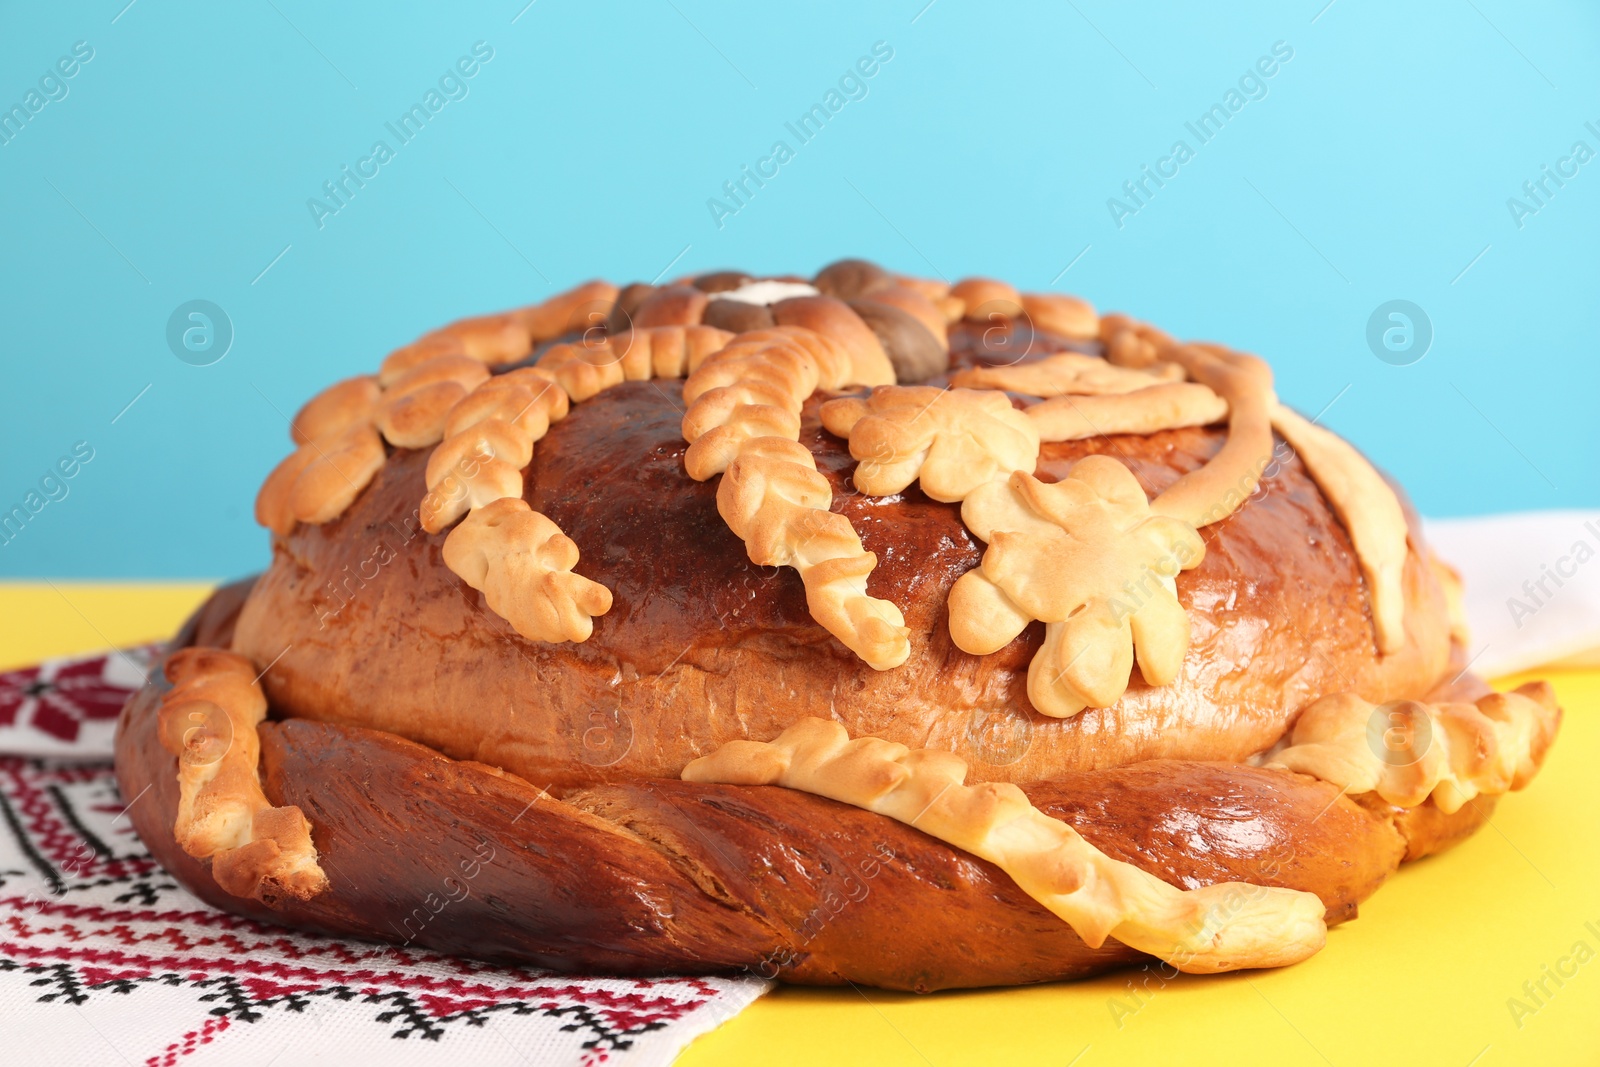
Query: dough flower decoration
(1088, 557)
(951, 440)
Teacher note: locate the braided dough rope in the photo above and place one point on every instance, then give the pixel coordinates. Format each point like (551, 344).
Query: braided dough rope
(1407, 752)
(440, 386)
(516, 556)
(1214, 928)
(755, 387)
(208, 720)
(775, 500)
(744, 419)
(1088, 557)
(490, 437)
(587, 368)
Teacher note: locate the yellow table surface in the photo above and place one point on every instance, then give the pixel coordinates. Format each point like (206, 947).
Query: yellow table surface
(1486, 955)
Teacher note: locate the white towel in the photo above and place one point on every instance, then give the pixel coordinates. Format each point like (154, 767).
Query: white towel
(1532, 587)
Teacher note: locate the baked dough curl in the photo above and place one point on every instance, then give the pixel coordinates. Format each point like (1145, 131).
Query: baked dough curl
(1164, 406)
(1408, 751)
(1370, 512)
(317, 481)
(1364, 502)
(522, 564)
(208, 720)
(490, 437)
(1221, 927)
(1066, 374)
(413, 410)
(755, 387)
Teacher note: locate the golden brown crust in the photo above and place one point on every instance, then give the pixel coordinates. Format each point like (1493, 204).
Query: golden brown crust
(656, 878)
(704, 647)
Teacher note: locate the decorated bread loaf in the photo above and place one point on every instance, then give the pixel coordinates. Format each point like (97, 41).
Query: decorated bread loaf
(862, 628)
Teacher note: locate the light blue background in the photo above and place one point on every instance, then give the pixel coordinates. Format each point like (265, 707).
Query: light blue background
(1378, 167)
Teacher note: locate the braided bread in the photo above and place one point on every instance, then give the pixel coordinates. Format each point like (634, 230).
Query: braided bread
(862, 629)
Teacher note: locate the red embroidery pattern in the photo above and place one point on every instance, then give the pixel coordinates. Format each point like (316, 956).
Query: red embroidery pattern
(57, 697)
(87, 914)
